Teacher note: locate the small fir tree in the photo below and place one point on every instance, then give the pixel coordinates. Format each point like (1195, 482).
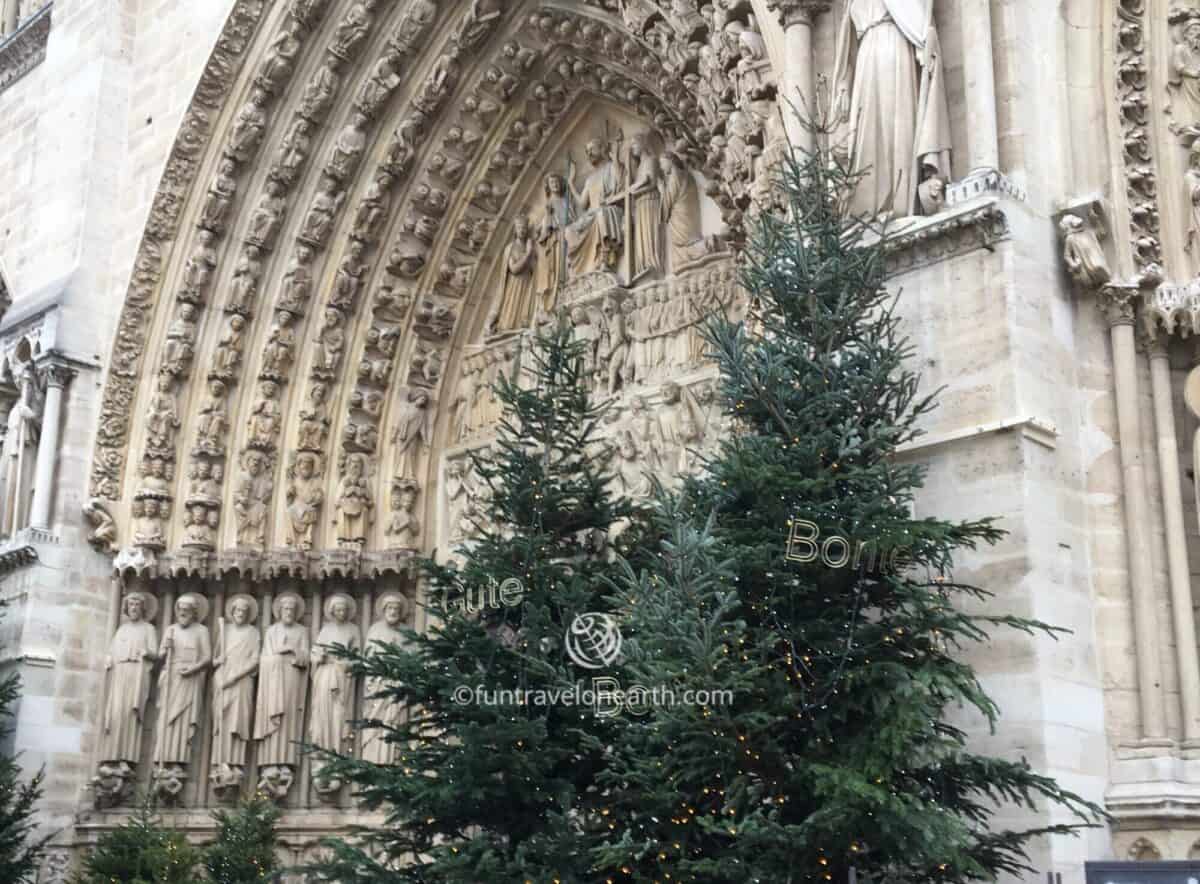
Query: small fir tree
(142, 851)
(500, 792)
(837, 752)
(20, 851)
(245, 848)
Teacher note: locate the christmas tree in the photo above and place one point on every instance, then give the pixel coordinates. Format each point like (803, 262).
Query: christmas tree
(794, 576)
(244, 851)
(481, 786)
(142, 851)
(20, 851)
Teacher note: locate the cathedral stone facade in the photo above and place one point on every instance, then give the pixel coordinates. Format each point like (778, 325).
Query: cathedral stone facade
(260, 261)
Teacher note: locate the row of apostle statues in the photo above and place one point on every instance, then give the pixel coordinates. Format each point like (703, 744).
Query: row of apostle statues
(257, 697)
(634, 214)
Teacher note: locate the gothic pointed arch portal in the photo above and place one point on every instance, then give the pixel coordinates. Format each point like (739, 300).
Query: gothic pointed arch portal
(368, 206)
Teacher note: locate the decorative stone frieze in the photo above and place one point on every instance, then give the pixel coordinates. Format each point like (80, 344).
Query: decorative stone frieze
(25, 48)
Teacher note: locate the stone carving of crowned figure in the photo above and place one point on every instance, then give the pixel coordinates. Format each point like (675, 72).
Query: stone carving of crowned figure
(391, 613)
(596, 235)
(891, 94)
(131, 654)
(550, 268)
(354, 504)
(234, 667)
(333, 683)
(20, 440)
(647, 208)
(680, 208)
(1082, 252)
(279, 708)
(515, 308)
(186, 652)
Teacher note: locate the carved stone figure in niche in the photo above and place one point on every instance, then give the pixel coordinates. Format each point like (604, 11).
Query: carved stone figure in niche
(373, 209)
(131, 655)
(319, 93)
(1192, 180)
(350, 274)
(279, 708)
(391, 613)
(198, 271)
(1184, 77)
(156, 479)
(220, 196)
(23, 428)
(249, 125)
(378, 87)
(297, 281)
(330, 342)
(228, 355)
(413, 26)
(212, 422)
(595, 237)
(891, 94)
(515, 307)
(204, 487)
(353, 28)
(243, 288)
(251, 499)
(479, 22)
(753, 68)
(614, 342)
(680, 208)
(1082, 253)
(647, 208)
(440, 83)
(427, 363)
(404, 141)
(314, 423)
(464, 397)
(500, 82)
(421, 226)
(348, 148)
(360, 436)
(162, 419)
(234, 667)
(293, 150)
(403, 524)
(181, 338)
(324, 208)
(308, 12)
(281, 58)
(413, 433)
(305, 497)
(281, 341)
(200, 527)
(264, 420)
(187, 652)
(149, 523)
(264, 223)
(332, 682)
(551, 265)
(354, 504)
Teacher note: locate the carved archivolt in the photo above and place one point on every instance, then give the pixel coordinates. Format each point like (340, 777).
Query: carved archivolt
(318, 269)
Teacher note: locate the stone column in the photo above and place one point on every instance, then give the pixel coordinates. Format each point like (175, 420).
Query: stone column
(1183, 620)
(1118, 304)
(797, 79)
(56, 375)
(979, 74)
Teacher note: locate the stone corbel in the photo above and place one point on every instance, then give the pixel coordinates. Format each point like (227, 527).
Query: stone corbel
(1088, 249)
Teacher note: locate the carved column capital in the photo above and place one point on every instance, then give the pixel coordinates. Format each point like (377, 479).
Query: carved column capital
(1118, 303)
(56, 372)
(799, 12)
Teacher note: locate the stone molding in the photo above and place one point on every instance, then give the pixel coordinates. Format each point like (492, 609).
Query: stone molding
(23, 51)
(953, 232)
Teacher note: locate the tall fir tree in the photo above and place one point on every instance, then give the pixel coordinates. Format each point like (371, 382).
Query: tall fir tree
(20, 850)
(484, 791)
(838, 751)
(142, 850)
(244, 851)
